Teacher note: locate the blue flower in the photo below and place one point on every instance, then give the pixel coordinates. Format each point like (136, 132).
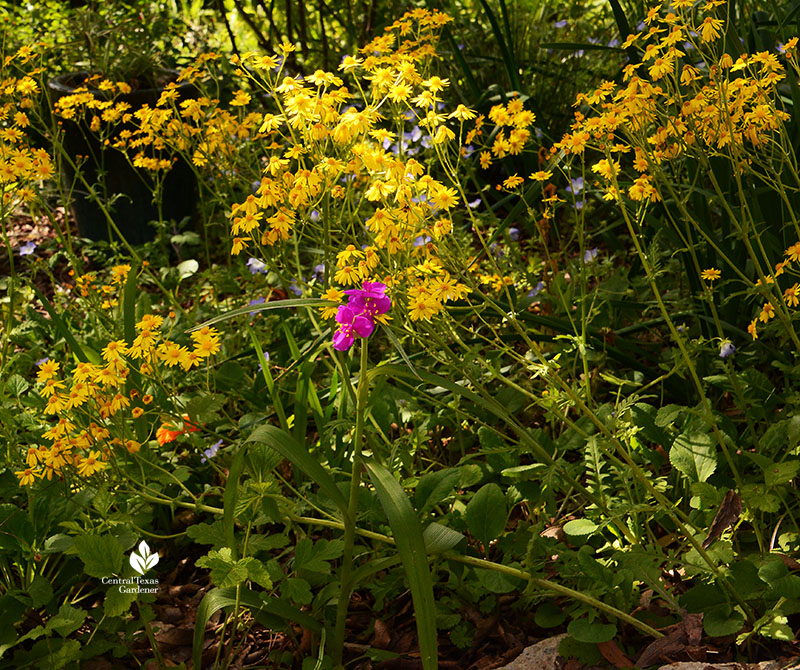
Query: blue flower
(256, 301)
(513, 233)
(561, 24)
(575, 185)
(314, 215)
(256, 266)
(211, 451)
(727, 348)
(294, 288)
(536, 290)
(319, 271)
(589, 255)
(27, 249)
(475, 203)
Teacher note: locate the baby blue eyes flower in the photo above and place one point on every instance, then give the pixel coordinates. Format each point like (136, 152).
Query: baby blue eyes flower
(727, 348)
(27, 249)
(536, 290)
(256, 266)
(589, 255)
(513, 233)
(256, 301)
(211, 451)
(475, 203)
(561, 24)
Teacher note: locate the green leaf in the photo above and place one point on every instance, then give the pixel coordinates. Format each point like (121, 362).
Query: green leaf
(314, 556)
(693, 454)
(298, 590)
(101, 554)
(781, 473)
(722, 620)
(486, 513)
(40, 591)
(591, 631)
(496, 582)
(129, 296)
(549, 615)
(580, 527)
(257, 572)
(208, 533)
(67, 620)
(411, 547)
(61, 327)
(217, 598)
(292, 450)
(225, 570)
(434, 487)
(117, 602)
(229, 504)
(187, 268)
(439, 538)
(275, 304)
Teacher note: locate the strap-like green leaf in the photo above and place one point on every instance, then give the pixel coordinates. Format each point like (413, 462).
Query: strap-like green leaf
(61, 327)
(411, 547)
(216, 599)
(292, 450)
(276, 304)
(229, 501)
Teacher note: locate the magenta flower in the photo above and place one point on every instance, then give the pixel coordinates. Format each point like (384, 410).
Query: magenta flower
(357, 317)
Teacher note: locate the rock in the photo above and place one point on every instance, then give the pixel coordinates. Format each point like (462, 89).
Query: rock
(540, 656)
(698, 665)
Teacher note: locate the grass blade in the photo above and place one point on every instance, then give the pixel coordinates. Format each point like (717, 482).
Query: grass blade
(61, 327)
(275, 304)
(411, 547)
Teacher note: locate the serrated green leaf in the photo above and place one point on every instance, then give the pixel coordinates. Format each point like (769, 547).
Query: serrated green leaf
(101, 554)
(208, 533)
(298, 590)
(67, 620)
(257, 572)
(40, 591)
(225, 570)
(693, 455)
(117, 602)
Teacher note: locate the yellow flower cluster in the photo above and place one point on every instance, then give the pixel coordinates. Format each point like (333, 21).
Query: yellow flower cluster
(670, 106)
(21, 166)
(89, 403)
(198, 127)
(333, 161)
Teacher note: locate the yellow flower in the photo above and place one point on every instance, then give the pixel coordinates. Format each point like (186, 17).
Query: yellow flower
(541, 175)
(711, 274)
(47, 370)
(792, 295)
(91, 464)
(513, 181)
(752, 329)
(767, 312)
(27, 476)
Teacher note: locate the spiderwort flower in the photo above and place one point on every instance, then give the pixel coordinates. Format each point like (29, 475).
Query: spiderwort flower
(727, 348)
(357, 317)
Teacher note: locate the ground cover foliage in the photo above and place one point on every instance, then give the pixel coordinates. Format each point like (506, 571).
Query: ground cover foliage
(482, 327)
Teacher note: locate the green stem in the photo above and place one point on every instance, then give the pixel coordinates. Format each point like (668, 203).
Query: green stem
(484, 564)
(345, 585)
